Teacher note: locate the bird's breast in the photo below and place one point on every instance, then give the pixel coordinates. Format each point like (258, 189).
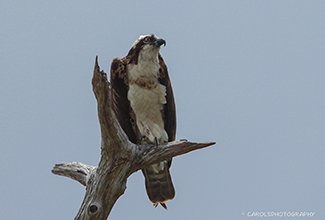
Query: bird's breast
(147, 100)
(144, 72)
(147, 105)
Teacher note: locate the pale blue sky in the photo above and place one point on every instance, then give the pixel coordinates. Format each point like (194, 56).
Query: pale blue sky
(249, 75)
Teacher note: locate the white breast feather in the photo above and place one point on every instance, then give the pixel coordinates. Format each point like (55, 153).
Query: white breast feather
(147, 103)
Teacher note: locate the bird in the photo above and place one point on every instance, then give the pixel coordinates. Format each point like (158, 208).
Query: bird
(143, 102)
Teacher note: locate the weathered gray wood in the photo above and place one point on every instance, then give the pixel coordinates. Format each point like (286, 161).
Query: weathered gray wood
(119, 158)
(74, 170)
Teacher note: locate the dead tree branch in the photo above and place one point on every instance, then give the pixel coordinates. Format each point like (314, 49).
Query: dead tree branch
(119, 158)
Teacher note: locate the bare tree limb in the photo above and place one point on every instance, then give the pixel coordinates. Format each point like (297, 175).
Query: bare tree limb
(74, 170)
(146, 155)
(120, 158)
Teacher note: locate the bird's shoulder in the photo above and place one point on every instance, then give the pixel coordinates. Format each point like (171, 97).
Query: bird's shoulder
(118, 69)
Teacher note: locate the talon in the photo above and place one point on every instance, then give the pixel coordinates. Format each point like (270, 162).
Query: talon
(142, 138)
(156, 141)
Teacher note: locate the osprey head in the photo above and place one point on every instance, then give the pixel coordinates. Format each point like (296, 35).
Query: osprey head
(146, 47)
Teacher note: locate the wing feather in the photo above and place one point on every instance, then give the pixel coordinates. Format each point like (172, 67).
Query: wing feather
(169, 111)
(119, 101)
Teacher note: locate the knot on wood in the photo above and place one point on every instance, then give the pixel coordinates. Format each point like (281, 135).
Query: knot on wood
(93, 208)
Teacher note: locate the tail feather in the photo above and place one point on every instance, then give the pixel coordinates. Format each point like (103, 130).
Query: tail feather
(159, 184)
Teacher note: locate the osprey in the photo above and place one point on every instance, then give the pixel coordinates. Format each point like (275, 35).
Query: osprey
(142, 100)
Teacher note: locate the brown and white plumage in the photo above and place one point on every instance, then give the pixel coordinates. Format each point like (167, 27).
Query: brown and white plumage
(143, 102)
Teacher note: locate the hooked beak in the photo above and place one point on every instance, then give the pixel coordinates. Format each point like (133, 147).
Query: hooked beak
(159, 42)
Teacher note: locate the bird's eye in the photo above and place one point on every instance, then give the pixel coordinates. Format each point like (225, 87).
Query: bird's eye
(146, 39)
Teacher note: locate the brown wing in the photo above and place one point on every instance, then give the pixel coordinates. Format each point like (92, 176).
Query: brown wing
(119, 101)
(169, 111)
